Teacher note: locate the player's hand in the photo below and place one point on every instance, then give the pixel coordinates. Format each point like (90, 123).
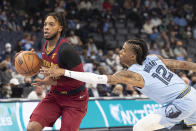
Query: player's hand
(46, 81)
(32, 50)
(53, 71)
(18, 53)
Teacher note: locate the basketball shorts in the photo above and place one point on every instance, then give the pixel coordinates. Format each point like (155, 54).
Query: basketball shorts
(178, 110)
(72, 109)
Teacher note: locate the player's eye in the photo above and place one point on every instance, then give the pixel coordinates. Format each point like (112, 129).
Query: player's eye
(51, 24)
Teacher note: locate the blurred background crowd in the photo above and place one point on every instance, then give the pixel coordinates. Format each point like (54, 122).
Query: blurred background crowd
(97, 29)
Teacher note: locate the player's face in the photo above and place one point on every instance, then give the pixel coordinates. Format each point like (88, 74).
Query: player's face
(127, 57)
(52, 28)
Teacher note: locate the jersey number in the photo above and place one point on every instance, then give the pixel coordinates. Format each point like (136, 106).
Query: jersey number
(165, 77)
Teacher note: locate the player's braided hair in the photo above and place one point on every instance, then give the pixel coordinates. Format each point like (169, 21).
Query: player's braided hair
(60, 17)
(140, 49)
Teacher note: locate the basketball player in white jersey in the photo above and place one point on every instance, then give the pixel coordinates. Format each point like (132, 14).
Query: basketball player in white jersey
(151, 74)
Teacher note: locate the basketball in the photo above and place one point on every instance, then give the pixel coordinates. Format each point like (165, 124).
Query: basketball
(27, 63)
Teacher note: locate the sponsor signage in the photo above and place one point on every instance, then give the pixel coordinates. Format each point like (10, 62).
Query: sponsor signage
(100, 113)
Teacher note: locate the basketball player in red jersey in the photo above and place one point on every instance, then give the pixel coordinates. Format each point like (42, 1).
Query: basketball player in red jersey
(67, 98)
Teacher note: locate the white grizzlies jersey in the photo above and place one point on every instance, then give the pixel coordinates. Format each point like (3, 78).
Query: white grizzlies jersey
(161, 85)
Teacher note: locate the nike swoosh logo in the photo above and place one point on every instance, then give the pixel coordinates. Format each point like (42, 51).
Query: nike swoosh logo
(82, 96)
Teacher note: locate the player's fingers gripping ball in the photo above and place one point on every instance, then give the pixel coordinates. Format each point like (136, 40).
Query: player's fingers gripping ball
(52, 72)
(27, 63)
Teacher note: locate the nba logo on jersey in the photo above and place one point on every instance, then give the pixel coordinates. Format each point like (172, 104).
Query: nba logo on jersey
(172, 111)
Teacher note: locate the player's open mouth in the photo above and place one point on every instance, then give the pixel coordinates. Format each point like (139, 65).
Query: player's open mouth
(46, 33)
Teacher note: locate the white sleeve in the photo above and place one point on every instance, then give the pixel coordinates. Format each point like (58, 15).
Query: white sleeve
(87, 77)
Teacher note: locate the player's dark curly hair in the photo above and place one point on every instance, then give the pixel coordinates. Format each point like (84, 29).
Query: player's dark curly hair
(60, 17)
(140, 49)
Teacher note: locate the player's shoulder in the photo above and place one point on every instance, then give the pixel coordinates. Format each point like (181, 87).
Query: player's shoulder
(64, 41)
(154, 57)
(66, 46)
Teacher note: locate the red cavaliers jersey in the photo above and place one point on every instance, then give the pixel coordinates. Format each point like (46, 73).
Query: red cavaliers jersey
(65, 56)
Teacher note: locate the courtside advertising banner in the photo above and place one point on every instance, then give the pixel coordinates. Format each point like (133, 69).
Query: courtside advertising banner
(14, 116)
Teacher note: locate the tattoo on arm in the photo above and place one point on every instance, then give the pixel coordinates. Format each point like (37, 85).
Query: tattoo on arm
(175, 64)
(126, 77)
(182, 65)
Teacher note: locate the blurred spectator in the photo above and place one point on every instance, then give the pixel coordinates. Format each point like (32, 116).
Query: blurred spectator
(117, 59)
(100, 57)
(12, 24)
(164, 31)
(18, 76)
(148, 27)
(74, 24)
(106, 26)
(106, 68)
(180, 20)
(61, 7)
(7, 52)
(3, 16)
(91, 46)
(107, 5)
(92, 90)
(18, 47)
(154, 49)
(104, 90)
(37, 93)
(27, 87)
(93, 55)
(167, 52)
(110, 59)
(156, 21)
(74, 39)
(155, 34)
(179, 51)
(4, 91)
(131, 91)
(118, 90)
(97, 5)
(85, 4)
(187, 34)
(88, 66)
(5, 70)
(84, 56)
(26, 42)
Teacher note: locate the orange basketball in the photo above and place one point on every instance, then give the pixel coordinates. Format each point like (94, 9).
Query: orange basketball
(27, 63)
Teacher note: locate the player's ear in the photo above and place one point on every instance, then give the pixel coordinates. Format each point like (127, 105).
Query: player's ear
(60, 28)
(133, 57)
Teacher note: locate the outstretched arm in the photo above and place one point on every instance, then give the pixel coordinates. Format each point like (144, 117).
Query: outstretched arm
(176, 64)
(125, 77)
